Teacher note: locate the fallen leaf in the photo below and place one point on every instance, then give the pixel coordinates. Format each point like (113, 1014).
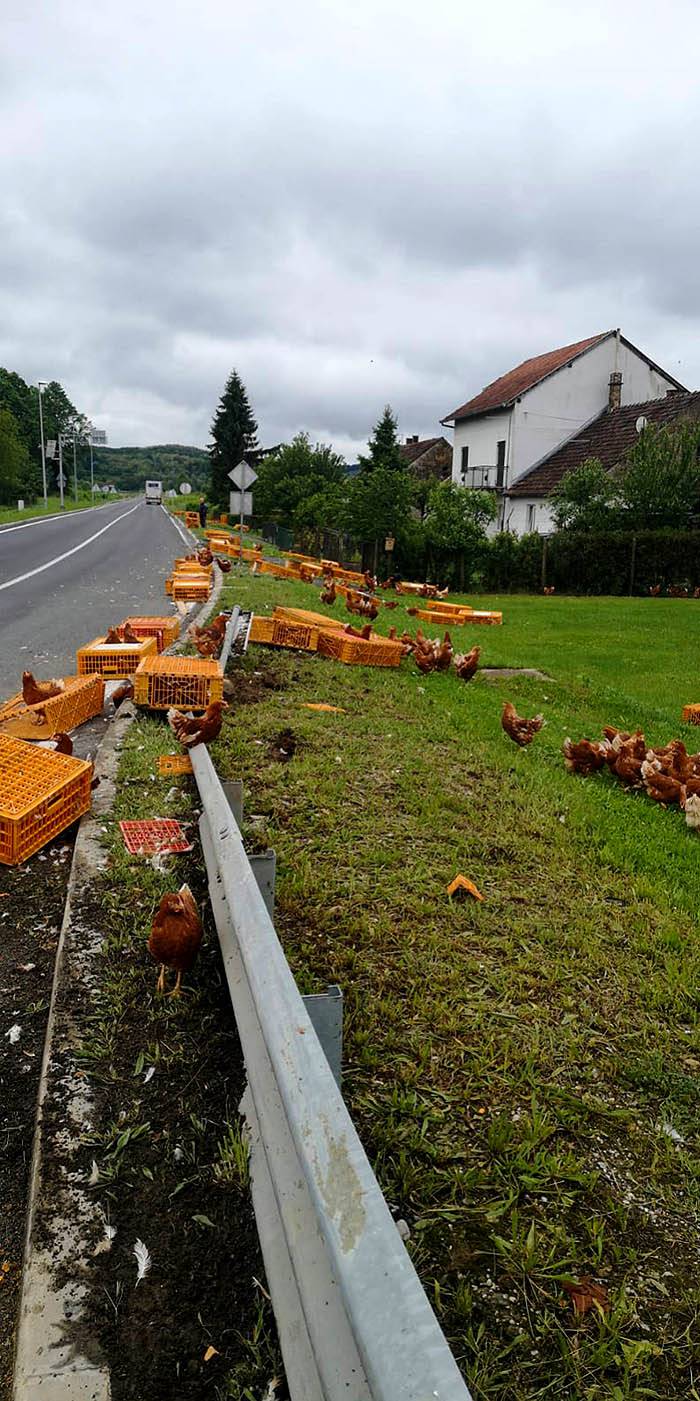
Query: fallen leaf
(320, 705)
(587, 1295)
(211, 1352)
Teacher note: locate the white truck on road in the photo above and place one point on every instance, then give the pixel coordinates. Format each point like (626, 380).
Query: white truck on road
(154, 493)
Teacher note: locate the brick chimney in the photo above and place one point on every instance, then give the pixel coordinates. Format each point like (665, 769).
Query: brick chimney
(615, 390)
(414, 439)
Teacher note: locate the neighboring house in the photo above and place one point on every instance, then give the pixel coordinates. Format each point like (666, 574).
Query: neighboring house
(427, 457)
(521, 418)
(609, 438)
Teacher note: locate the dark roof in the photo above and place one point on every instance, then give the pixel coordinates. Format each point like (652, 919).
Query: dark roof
(509, 387)
(607, 437)
(411, 452)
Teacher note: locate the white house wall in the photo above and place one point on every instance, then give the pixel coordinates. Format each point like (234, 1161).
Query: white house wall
(481, 436)
(519, 521)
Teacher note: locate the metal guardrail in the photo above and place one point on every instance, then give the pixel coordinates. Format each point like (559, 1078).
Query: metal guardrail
(229, 635)
(353, 1320)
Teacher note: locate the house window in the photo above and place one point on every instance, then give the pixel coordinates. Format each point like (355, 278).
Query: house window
(465, 461)
(500, 461)
(531, 518)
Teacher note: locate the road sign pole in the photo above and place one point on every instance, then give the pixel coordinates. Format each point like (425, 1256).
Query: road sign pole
(60, 467)
(75, 471)
(92, 474)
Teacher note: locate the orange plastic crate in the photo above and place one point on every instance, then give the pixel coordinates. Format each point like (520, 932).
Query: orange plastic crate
(111, 659)
(166, 630)
(489, 619)
(440, 605)
(41, 793)
(691, 714)
(82, 698)
(189, 593)
(304, 615)
(174, 763)
(192, 519)
(444, 617)
(189, 683)
(356, 651)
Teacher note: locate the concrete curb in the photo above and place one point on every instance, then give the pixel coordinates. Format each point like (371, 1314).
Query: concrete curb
(56, 1359)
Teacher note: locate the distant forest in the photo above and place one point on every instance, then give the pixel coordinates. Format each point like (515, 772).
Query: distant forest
(128, 468)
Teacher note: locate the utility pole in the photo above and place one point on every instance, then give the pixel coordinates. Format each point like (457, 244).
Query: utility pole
(60, 467)
(75, 470)
(42, 385)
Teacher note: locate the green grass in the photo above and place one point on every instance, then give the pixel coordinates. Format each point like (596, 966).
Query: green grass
(510, 1064)
(8, 514)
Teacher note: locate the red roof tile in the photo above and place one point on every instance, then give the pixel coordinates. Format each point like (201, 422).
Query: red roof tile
(509, 387)
(609, 438)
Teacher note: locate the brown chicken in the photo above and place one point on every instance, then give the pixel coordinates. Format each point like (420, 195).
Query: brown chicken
(425, 661)
(466, 663)
(205, 556)
(585, 756)
(655, 590)
(128, 634)
(520, 730)
(444, 654)
(207, 646)
(662, 787)
(191, 730)
(176, 936)
(365, 634)
(34, 692)
(224, 564)
(548, 590)
(628, 755)
(328, 593)
(370, 580)
(123, 692)
(62, 743)
(390, 603)
(112, 637)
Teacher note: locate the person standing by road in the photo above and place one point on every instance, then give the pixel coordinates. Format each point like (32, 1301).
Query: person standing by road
(202, 512)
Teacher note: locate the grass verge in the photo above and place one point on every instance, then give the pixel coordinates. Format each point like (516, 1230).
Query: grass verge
(523, 1072)
(167, 1158)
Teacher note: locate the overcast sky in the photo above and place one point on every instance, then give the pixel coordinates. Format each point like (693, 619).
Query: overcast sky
(350, 203)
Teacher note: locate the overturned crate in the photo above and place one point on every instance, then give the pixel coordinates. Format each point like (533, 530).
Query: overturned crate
(691, 714)
(114, 660)
(41, 793)
(359, 651)
(166, 630)
(306, 616)
(190, 588)
(82, 699)
(187, 683)
(278, 633)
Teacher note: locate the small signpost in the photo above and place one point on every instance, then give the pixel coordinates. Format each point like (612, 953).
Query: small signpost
(51, 448)
(241, 501)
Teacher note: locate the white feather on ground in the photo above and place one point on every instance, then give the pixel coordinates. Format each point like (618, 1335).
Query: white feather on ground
(143, 1260)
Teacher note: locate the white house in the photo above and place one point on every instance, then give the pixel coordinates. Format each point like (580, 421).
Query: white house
(519, 419)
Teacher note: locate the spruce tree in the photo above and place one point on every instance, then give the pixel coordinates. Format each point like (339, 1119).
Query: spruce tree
(384, 446)
(233, 433)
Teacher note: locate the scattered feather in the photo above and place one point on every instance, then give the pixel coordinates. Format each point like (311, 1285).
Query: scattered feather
(94, 1174)
(143, 1260)
(149, 1074)
(14, 1033)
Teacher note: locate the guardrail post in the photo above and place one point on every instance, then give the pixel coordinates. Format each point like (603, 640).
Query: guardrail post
(326, 1012)
(264, 867)
(233, 788)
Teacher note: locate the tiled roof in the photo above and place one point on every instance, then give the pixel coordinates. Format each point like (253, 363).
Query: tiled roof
(608, 437)
(411, 452)
(509, 387)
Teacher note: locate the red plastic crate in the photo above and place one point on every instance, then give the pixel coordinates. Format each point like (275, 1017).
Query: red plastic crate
(161, 834)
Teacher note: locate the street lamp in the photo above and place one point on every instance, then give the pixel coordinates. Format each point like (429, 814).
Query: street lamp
(43, 384)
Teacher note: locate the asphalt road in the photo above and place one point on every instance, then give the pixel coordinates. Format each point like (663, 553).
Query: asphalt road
(53, 601)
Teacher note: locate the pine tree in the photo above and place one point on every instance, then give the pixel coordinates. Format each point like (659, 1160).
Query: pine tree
(384, 445)
(233, 432)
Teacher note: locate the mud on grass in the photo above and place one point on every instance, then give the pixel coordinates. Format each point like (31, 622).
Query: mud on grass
(171, 1163)
(32, 898)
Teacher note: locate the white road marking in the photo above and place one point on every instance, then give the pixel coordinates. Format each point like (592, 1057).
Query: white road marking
(42, 520)
(176, 523)
(67, 553)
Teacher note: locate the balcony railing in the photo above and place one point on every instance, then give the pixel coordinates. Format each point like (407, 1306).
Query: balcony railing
(484, 478)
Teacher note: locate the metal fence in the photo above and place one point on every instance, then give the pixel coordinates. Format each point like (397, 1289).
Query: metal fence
(352, 1317)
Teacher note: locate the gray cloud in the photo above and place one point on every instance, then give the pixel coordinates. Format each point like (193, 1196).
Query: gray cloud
(349, 204)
